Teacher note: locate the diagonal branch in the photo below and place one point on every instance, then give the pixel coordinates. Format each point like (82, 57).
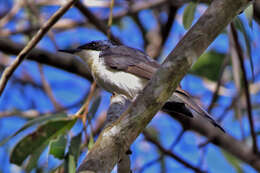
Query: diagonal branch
(115, 140)
(170, 153)
(23, 54)
(59, 60)
(226, 142)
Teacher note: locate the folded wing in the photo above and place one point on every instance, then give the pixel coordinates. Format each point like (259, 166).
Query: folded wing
(138, 63)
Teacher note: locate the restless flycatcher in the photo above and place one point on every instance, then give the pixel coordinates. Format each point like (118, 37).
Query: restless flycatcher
(123, 70)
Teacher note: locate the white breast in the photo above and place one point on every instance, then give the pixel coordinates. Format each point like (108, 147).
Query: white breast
(112, 80)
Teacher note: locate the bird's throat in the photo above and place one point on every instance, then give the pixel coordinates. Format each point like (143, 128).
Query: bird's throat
(90, 57)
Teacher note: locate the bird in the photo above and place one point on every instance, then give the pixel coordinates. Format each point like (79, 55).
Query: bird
(124, 70)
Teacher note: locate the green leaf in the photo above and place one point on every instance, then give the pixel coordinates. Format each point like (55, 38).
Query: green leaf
(208, 65)
(39, 138)
(91, 142)
(249, 12)
(188, 14)
(38, 120)
(233, 161)
(70, 164)
(58, 146)
(71, 158)
(74, 148)
(32, 162)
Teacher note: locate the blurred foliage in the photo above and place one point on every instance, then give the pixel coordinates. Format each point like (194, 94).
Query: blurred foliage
(38, 120)
(58, 146)
(233, 161)
(73, 154)
(188, 14)
(35, 142)
(208, 65)
(249, 12)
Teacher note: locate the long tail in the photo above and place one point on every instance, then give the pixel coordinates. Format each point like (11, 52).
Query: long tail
(188, 101)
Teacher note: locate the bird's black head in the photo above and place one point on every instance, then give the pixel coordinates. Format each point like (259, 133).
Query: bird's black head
(98, 45)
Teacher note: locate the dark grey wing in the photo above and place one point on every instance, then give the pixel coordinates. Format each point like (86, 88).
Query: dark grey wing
(138, 63)
(130, 60)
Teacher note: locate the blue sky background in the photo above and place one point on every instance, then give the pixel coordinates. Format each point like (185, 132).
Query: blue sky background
(69, 88)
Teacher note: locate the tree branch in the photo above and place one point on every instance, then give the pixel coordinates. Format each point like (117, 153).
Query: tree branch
(225, 141)
(171, 154)
(117, 138)
(60, 60)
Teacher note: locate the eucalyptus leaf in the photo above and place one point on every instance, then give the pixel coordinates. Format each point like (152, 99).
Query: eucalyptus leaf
(33, 160)
(233, 161)
(70, 164)
(208, 65)
(35, 121)
(39, 138)
(249, 11)
(58, 147)
(91, 142)
(74, 148)
(73, 154)
(188, 14)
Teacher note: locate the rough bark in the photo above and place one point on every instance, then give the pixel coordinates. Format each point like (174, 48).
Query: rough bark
(116, 139)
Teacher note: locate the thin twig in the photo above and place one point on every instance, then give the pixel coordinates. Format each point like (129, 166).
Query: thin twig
(61, 25)
(84, 108)
(33, 42)
(170, 153)
(48, 90)
(223, 115)
(83, 111)
(202, 157)
(31, 113)
(11, 14)
(110, 19)
(36, 20)
(99, 124)
(219, 83)
(149, 164)
(94, 20)
(178, 138)
(89, 98)
(166, 28)
(246, 87)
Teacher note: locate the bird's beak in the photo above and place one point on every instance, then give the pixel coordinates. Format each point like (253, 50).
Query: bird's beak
(71, 51)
